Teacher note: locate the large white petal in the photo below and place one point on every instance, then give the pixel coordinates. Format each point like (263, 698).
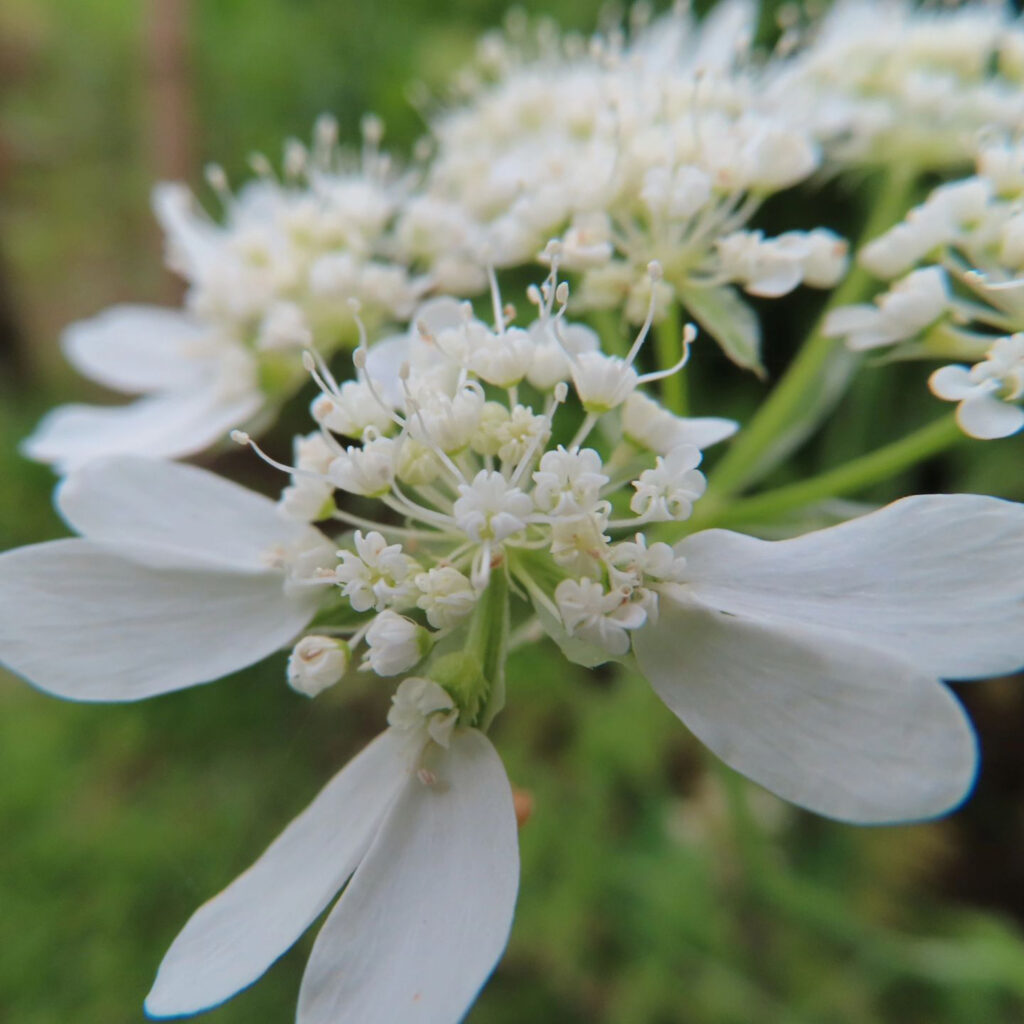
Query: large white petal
(428, 912)
(840, 729)
(191, 516)
(136, 348)
(934, 579)
(81, 622)
(232, 939)
(163, 426)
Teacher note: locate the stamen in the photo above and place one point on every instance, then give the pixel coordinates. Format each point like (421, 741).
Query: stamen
(313, 363)
(654, 274)
(412, 407)
(560, 394)
(325, 138)
(586, 427)
(480, 573)
(499, 318)
(242, 438)
(217, 179)
(359, 361)
(689, 336)
(296, 158)
(262, 167)
(342, 516)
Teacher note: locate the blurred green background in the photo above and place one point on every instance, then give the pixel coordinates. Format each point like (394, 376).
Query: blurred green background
(657, 888)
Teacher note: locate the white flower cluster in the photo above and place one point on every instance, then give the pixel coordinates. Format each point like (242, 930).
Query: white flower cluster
(274, 277)
(438, 426)
(475, 483)
(902, 85)
(965, 298)
(812, 665)
(655, 146)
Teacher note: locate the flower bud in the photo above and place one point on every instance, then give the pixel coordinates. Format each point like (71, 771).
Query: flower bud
(394, 644)
(317, 662)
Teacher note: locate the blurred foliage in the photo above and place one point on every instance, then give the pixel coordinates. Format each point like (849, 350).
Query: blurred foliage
(657, 887)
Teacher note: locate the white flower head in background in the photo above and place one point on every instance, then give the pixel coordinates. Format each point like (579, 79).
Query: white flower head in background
(269, 281)
(654, 145)
(963, 296)
(914, 95)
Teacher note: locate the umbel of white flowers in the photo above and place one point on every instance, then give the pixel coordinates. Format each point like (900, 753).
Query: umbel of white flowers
(269, 281)
(812, 665)
(661, 143)
(966, 301)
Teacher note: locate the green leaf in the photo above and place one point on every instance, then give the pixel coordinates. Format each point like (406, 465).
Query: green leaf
(729, 320)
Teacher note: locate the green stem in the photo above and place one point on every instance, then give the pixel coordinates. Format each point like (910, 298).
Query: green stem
(848, 478)
(667, 347)
(799, 394)
(488, 639)
(608, 327)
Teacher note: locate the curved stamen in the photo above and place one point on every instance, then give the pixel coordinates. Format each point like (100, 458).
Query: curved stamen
(689, 336)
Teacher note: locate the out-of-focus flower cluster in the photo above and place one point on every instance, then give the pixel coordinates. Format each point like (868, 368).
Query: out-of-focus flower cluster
(965, 297)
(274, 276)
(889, 83)
(656, 144)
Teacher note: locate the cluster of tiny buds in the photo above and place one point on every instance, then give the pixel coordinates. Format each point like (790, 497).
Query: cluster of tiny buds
(452, 428)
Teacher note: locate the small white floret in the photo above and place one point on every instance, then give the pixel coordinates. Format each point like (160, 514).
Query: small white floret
(317, 662)
(394, 644)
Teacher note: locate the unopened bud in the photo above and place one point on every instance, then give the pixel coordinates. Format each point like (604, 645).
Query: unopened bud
(317, 662)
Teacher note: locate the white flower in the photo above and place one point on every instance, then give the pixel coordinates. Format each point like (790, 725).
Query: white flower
(317, 662)
(602, 382)
(368, 470)
(648, 425)
(551, 353)
(309, 496)
(597, 617)
(811, 665)
(986, 392)
(273, 278)
(351, 411)
(910, 306)
(771, 267)
(394, 644)
(422, 710)
(521, 432)
(198, 385)
(446, 596)
(914, 95)
(490, 508)
(376, 575)
(626, 150)
(668, 491)
(568, 483)
(180, 577)
(944, 215)
(431, 863)
(658, 561)
(446, 421)
(284, 327)
(501, 359)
